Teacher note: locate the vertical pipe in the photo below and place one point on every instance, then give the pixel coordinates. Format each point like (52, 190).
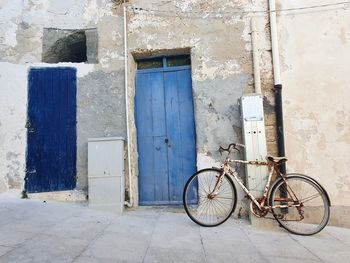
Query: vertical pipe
(279, 122)
(277, 82)
(274, 43)
(256, 60)
(130, 203)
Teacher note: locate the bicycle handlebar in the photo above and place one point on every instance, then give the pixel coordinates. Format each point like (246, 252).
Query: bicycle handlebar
(231, 145)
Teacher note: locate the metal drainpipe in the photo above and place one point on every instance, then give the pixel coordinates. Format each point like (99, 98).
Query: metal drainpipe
(130, 202)
(277, 82)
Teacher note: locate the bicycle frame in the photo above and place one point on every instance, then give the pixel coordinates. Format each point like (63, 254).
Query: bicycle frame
(273, 169)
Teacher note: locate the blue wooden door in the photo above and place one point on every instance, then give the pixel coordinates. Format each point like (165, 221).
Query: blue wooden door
(165, 134)
(51, 130)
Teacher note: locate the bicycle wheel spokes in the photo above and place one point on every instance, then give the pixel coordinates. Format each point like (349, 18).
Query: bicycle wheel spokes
(202, 205)
(308, 209)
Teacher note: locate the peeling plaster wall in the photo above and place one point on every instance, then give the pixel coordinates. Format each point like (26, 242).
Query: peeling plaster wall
(222, 69)
(315, 54)
(100, 86)
(101, 113)
(13, 94)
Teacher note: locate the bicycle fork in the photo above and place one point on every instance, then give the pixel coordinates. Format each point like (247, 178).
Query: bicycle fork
(217, 186)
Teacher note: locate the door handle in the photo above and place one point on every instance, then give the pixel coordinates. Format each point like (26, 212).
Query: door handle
(30, 127)
(27, 124)
(166, 140)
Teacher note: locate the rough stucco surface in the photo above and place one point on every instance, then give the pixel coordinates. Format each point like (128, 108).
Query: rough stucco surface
(218, 112)
(220, 49)
(315, 56)
(13, 94)
(101, 109)
(101, 113)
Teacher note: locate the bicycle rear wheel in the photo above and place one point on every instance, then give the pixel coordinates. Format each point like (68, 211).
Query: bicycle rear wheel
(208, 210)
(308, 205)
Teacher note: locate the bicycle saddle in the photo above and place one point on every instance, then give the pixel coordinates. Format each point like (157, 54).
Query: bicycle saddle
(277, 160)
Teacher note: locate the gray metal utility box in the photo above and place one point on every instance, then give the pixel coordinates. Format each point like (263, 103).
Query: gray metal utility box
(106, 174)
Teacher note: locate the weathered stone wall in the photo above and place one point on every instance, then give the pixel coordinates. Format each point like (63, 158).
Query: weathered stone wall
(100, 86)
(315, 47)
(101, 112)
(217, 35)
(13, 96)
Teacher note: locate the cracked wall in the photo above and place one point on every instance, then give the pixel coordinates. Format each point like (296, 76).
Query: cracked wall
(101, 113)
(316, 91)
(220, 48)
(222, 70)
(100, 86)
(13, 94)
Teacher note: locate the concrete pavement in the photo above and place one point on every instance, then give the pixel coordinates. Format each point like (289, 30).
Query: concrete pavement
(34, 231)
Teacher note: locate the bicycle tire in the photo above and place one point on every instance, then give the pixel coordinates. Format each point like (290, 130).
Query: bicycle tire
(316, 182)
(313, 213)
(204, 211)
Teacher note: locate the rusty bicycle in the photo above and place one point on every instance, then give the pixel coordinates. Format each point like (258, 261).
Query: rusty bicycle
(298, 202)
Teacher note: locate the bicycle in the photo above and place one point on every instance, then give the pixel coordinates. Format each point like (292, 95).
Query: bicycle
(298, 202)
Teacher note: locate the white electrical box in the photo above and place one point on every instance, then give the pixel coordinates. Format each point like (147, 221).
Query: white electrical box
(106, 174)
(255, 142)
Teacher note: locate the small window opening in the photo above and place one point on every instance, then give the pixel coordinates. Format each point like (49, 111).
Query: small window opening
(178, 61)
(65, 45)
(162, 62)
(150, 63)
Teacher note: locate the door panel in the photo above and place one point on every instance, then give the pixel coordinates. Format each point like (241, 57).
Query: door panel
(174, 135)
(151, 131)
(51, 130)
(166, 134)
(181, 130)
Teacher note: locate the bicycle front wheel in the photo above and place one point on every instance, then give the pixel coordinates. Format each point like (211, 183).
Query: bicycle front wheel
(202, 207)
(300, 205)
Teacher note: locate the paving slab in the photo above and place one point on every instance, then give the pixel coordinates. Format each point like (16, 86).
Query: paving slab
(339, 234)
(121, 247)
(46, 248)
(10, 238)
(275, 244)
(4, 250)
(325, 247)
(37, 231)
(173, 231)
(83, 259)
(80, 228)
(240, 252)
(176, 255)
(289, 260)
(229, 243)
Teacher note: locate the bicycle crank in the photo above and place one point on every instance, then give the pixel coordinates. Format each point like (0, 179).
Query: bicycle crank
(256, 211)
